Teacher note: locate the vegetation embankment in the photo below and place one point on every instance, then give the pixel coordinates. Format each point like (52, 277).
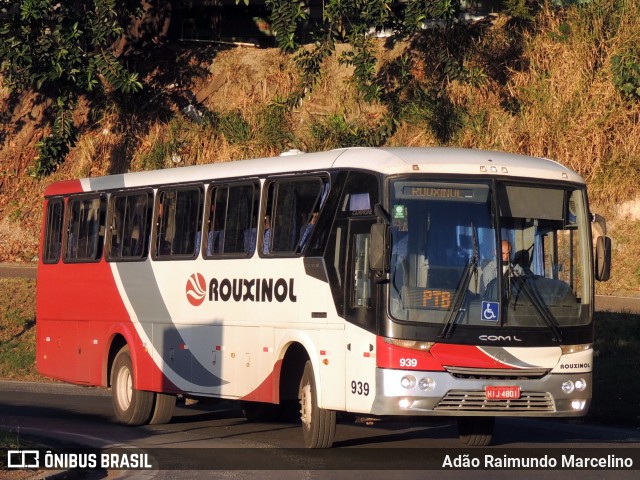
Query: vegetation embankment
(17, 329)
(559, 82)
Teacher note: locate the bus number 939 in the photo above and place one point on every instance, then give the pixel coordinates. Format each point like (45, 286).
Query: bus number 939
(359, 388)
(409, 362)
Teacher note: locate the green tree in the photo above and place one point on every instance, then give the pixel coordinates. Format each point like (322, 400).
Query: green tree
(355, 22)
(63, 49)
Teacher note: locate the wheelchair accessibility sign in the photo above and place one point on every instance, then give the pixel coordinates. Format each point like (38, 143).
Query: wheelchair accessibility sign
(490, 311)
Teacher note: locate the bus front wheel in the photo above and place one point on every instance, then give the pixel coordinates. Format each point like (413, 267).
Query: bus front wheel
(318, 424)
(131, 406)
(476, 431)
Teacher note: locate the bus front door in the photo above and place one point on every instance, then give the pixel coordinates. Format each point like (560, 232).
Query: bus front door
(361, 298)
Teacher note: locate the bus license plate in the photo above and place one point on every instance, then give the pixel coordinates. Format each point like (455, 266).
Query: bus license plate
(502, 393)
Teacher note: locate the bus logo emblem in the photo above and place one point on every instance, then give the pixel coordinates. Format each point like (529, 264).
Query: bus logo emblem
(196, 289)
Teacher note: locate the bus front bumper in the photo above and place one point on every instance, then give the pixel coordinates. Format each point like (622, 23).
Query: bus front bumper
(403, 392)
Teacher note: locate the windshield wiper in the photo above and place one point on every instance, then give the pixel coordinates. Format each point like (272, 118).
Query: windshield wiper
(541, 307)
(469, 270)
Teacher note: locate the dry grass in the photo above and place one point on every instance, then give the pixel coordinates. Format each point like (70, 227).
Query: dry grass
(626, 268)
(567, 107)
(571, 109)
(17, 330)
(548, 92)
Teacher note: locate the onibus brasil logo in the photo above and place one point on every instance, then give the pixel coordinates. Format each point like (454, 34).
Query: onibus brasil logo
(239, 289)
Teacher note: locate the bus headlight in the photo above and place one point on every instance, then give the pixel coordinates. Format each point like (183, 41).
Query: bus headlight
(408, 381)
(578, 404)
(427, 384)
(568, 349)
(412, 344)
(568, 386)
(581, 384)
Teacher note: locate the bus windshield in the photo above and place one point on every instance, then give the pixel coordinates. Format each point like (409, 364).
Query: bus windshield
(490, 254)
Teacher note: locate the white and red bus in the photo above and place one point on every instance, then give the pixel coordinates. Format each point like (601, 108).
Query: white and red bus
(375, 281)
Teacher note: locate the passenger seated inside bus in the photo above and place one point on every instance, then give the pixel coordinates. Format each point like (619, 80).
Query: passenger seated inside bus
(249, 240)
(215, 240)
(266, 239)
(306, 230)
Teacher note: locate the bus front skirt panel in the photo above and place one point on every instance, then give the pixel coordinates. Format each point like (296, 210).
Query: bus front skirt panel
(401, 392)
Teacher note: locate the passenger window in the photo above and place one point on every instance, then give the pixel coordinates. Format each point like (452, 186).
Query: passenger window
(53, 231)
(179, 223)
(84, 242)
(129, 226)
(232, 220)
(292, 210)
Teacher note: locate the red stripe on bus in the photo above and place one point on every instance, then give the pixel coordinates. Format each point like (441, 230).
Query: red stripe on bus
(393, 356)
(269, 390)
(465, 356)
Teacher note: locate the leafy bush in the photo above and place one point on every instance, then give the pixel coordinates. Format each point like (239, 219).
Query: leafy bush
(274, 129)
(234, 127)
(626, 73)
(62, 49)
(336, 132)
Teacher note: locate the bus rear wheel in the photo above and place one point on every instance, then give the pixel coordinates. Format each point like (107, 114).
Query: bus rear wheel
(163, 408)
(476, 431)
(318, 424)
(131, 406)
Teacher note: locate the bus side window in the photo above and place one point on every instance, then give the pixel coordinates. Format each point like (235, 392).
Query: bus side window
(129, 226)
(179, 223)
(240, 222)
(292, 209)
(84, 242)
(216, 220)
(53, 231)
(232, 220)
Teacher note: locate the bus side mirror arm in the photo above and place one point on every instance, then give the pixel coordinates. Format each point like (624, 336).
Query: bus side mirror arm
(381, 213)
(379, 249)
(600, 221)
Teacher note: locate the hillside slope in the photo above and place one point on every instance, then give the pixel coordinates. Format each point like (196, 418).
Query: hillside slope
(545, 89)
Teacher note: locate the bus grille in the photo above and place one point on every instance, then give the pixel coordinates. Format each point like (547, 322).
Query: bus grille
(475, 400)
(497, 373)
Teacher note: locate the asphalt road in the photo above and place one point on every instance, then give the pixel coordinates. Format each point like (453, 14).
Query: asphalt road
(206, 440)
(203, 434)
(18, 270)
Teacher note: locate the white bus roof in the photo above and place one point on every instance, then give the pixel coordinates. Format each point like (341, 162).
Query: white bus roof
(435, 160)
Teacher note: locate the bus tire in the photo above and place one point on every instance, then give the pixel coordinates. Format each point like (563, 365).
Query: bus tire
(476, 431)
(318, 424)
(131, 406)
(163, 409)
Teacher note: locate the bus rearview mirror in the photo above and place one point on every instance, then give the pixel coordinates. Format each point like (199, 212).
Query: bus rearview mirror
(603, 258)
